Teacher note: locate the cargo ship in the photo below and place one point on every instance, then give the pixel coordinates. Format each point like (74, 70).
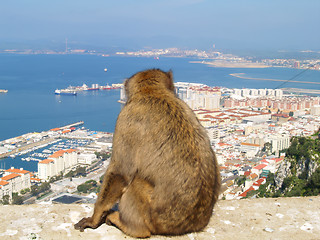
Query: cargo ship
(65, 92)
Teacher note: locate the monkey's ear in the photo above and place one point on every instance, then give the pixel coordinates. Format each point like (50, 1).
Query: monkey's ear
(170, 74)
(169, 82)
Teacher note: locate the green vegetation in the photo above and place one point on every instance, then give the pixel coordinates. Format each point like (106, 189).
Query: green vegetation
(17, 199)
(37, 190)
(80, 171)
(56, 178)
(302, 152)
(240, 180)
(103, 155)
(5, 200)
(88, 186)
(24, 191)
(303, 147)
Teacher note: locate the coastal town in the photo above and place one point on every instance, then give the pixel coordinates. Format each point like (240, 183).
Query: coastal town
(249, 130)
(211, 57)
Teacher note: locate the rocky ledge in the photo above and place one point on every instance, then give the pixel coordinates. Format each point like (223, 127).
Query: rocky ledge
(272, 218)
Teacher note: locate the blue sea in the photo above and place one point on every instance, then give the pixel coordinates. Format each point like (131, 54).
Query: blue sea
(31, 105)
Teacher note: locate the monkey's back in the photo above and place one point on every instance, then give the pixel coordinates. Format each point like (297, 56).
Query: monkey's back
(170, 149)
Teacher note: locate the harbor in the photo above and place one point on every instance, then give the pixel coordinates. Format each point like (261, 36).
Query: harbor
(27, 150)
(29, 142)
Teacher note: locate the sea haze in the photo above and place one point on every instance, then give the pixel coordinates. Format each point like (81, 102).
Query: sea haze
(31, 105)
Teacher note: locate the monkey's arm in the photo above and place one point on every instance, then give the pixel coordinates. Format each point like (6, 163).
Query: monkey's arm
(111, 191)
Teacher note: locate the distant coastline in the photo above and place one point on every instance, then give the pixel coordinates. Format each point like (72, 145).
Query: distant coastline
(228, 64)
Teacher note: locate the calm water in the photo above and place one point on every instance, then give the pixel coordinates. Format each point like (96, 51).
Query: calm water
(31, 105)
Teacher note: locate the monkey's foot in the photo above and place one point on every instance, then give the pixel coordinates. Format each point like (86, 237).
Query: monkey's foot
(85, 223)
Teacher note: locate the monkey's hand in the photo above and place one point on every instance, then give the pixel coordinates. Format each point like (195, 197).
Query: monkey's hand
(85, 223)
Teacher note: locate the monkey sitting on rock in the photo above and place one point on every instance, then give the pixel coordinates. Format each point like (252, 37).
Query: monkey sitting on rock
(163, 172)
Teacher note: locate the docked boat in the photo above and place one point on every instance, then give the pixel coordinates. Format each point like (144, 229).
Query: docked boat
(107, 87)
(65, 92)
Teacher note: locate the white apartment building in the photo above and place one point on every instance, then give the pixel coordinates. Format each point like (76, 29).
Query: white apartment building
(275, 93)
(315, 110)
(86, 158)
(58, 162)
(254, 92)
(213, 133)
(198, 96)
(5, 188)
(279, 142)
(14, 180)
(203, 101)
(46, 169)
(262, 92)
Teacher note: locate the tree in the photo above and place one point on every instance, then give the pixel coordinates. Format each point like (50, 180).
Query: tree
(16, 199)
(5, 200)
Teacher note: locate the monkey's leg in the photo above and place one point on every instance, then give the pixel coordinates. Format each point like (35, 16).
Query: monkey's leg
(133, 217)
(110, 193)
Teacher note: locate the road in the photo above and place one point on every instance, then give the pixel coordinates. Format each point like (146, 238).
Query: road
(70, 186)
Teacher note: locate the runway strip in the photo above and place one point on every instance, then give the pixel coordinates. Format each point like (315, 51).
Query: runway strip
(268, 79)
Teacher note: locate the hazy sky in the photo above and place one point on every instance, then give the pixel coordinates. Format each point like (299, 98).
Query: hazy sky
(247, 24)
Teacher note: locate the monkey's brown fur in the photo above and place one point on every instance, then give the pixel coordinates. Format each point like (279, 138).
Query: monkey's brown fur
(163, 171)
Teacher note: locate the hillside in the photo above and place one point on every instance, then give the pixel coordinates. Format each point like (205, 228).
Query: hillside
(299, 173)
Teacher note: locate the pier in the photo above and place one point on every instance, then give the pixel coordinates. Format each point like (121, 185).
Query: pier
(73, 125)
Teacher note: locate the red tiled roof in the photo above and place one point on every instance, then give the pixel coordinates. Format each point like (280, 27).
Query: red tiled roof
(61, 152)
(17, 171)
(250, 144)
(46, 161)
(253, 176)
(259, 167)
(3, 183)
(244, 194)
(57, 154)
(35, 179)
(10, 176)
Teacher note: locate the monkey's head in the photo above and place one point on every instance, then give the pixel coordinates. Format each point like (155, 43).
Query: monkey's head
(149, 80)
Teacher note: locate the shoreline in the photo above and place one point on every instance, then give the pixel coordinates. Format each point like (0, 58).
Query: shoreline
(226, 64)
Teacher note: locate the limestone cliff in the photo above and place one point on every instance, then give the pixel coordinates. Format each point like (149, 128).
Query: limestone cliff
(299, 173)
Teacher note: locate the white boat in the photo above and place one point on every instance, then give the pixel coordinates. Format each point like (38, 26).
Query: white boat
(65, 92)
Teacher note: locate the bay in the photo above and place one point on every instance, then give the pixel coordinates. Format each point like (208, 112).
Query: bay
(31, 105)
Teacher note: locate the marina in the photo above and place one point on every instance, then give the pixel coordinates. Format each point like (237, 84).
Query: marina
(33, 141)
(28, 156)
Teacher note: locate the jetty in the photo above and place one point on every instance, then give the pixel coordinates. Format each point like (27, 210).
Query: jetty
(73, 125)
